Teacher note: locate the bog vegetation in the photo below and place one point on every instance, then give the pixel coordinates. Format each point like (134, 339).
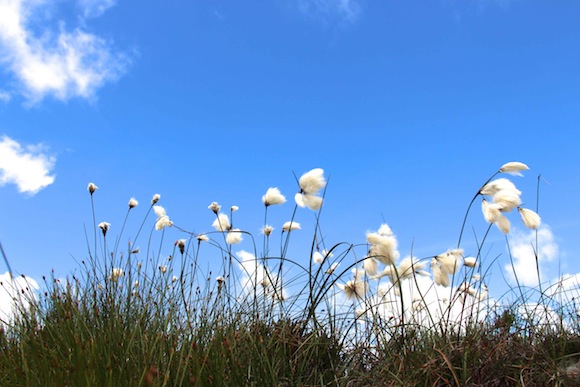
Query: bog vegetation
(351, 315)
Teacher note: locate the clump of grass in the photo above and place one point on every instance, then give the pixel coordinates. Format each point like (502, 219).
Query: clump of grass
(354, 314)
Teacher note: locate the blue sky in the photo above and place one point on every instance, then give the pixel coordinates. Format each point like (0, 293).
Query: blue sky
(408, 107)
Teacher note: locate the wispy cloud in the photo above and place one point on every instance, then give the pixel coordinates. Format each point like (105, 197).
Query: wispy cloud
(95, 8)
(53, 60)
(28, 167)
(345, 10)
(522, 247)
(5, 96)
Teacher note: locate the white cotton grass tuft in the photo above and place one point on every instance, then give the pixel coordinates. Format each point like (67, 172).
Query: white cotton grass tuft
(311, 201)
(104, 226)
(409, 267)
(354, 288)
(273, 196)
(310, 184)
(234, 236)
(291, 226)
(312, 181)
(507, 199)
(439, 277)
(513, 168)
(497, 185)
(202, 238)
(530, 218)
(470, 261)
(234, 208)
(267, 230)
(92, 188)
(490, 211)
(503, 223)
(383, 245)
(116, 273)
(446, 264)
(222, 223)
(155, 199)
(214, 207)
(162, 218)
(133, 203)
(371, 266)
(450, 261)
(317, 257)
(385, 230)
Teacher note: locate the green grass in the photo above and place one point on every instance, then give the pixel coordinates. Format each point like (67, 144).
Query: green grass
(274, 321)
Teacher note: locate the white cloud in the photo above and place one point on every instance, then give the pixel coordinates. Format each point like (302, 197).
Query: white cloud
(95, 8)
(522, 247)
(28, 167)
(55, 61)
(15, 296)
(347, 10)
(566, 290)
(5, 96)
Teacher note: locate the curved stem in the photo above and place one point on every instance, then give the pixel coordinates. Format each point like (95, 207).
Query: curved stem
(469, 207)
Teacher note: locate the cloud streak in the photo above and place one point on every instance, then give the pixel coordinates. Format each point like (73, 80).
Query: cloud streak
(54, 61)
(346, 10)
(28, 167)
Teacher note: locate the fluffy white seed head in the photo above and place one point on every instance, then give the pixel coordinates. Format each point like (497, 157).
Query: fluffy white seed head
(234, 237)
(385, 230)
(371, 266)
(503, 223)
(450, 260)
(273, 196)
(290, 226)
(439, 277)
(155, 199)
(116, 273)
(215, 207)
(507, 199)
(354, 289)
(163, 222)
(383, 248)
(470, 261)
(159, 211)
(312, 201)
(133, 203)
(222, 223)
(267, 230)
(497, 185)
(530, 218)
(408, 267)
(317, 257)
(514, 168)
(491, 211)
(104, 226)
(312, 181)
(162, 218)
(92, 188)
